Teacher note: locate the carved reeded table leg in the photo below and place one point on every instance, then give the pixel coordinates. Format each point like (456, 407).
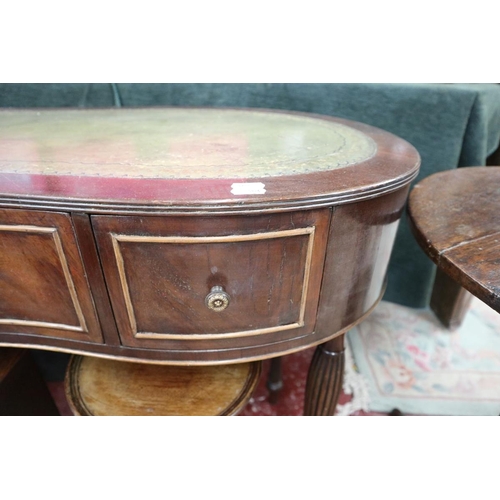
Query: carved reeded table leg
(324, 380)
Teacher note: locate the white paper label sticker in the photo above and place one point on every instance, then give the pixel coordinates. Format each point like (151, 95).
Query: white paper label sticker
(248, 188)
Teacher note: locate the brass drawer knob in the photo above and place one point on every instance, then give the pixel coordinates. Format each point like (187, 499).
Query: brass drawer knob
(217, 299)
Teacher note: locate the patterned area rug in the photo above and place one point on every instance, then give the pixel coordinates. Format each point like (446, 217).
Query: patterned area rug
(411, 362)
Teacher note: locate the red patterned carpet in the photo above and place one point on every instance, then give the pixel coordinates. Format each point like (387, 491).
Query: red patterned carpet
(291, 400)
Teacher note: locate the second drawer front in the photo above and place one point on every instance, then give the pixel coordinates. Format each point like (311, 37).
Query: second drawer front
(174, 278)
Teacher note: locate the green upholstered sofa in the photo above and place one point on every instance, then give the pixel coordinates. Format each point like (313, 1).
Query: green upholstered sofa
(451, 125)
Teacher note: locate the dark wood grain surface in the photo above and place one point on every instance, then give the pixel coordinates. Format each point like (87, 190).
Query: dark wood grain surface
(359, 248)
(93, 270)
(160, 269)
(455, 217)
(449, 301)
(44, 288)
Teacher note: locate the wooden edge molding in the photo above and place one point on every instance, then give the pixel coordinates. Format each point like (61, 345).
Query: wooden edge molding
(103, 207)
(254, 372)
(79, 408)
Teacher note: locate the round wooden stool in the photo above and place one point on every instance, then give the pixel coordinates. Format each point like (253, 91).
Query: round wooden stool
(103, 387)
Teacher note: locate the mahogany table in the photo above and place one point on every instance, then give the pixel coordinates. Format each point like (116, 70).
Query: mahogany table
(196, 236)
(455, 217)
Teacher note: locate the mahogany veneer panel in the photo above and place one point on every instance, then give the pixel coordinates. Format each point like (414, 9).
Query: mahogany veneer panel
(359, 248)
(160, 269)
(43, 286)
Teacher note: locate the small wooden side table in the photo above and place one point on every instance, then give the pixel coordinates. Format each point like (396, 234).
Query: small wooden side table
(105, 387)
(455, 218)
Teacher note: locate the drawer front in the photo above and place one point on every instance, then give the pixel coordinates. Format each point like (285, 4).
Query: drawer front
(43, 289)
(192, 278)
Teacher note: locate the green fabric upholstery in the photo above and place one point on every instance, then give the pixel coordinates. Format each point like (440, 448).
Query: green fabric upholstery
(451, 125)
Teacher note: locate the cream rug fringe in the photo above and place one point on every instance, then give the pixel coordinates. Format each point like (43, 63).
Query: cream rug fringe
(353, 384)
